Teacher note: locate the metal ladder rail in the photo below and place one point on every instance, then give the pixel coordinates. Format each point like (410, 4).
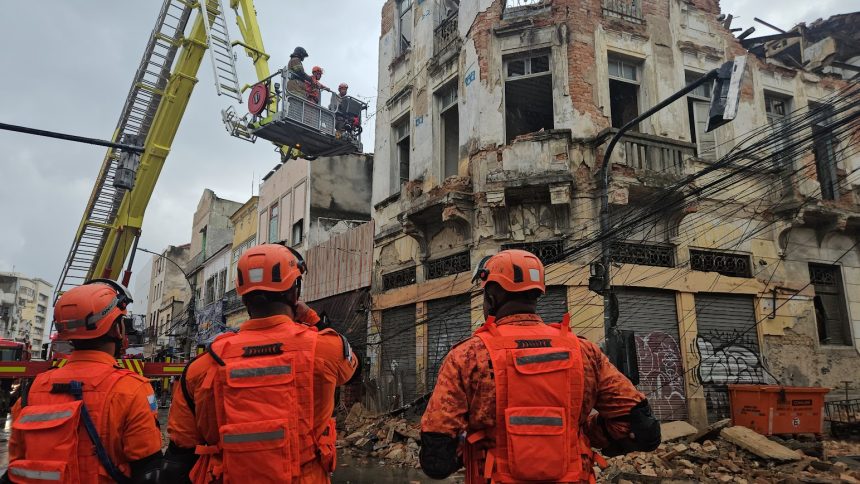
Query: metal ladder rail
(136, 117)
(221, 50)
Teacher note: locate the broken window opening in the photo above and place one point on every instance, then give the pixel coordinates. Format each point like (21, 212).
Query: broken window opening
(698, 107)
(449, 117)
(404, 24)
(824, 149)
(624, 78)
(777, 108)
(298, 231)
(402, 149)
(528, 95)
(831, 315)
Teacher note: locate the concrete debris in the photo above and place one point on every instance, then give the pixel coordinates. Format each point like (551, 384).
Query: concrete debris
(720, 460)
(676, 430)
(394, 441)
(758, 444)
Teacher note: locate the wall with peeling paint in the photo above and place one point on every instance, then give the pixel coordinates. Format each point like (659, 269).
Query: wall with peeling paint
(542, 186)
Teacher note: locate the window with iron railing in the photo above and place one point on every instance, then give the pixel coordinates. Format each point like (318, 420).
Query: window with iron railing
(727, 264)
(630, 10)
(401, 278)
(547, 251)
(445, 266)
(446, 33)
(643, 254)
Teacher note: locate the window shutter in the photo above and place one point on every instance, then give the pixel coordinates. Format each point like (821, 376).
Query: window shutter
(706, 143)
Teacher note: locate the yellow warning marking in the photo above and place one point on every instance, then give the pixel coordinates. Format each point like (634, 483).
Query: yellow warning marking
(13, 369)
(174, 369)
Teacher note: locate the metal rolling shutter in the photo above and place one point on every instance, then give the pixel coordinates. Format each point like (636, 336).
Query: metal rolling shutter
(552, 306)
(727, 342)
(652, 315)
(448, 323)
(398, 356)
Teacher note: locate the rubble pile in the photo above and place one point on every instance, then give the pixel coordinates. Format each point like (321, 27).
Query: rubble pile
(392, 440)
(723, 454)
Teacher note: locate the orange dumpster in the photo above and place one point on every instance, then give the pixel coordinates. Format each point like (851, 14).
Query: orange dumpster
(774, 409)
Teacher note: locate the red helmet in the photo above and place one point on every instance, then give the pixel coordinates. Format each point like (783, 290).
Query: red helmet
(90, 311)
(317, 69)
(270, 268)
(514, 270)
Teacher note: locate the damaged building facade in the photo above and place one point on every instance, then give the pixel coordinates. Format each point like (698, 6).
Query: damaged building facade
(492, 120)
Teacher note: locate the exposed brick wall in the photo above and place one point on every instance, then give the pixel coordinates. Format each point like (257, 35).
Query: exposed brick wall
(388, 10)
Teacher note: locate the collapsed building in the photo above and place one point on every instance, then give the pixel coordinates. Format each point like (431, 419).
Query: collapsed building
(491, 124)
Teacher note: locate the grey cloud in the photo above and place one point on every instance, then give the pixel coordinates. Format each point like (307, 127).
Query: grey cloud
(72, 75)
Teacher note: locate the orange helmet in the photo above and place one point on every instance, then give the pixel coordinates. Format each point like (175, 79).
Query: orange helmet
(514, 270)
(317, 69)
(90, 311)
(270, 268)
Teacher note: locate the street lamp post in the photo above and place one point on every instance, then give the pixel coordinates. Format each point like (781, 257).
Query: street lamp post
(191, 299)
(723, 109)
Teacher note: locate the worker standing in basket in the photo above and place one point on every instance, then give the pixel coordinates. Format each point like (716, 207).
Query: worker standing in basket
(297, 77)
(514, 402)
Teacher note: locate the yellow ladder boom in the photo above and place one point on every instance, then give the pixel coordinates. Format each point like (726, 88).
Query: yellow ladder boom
(152, 113)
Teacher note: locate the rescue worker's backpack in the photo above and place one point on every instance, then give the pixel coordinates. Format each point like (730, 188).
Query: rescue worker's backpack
(263, 387)
(54, 414)
(539, 379)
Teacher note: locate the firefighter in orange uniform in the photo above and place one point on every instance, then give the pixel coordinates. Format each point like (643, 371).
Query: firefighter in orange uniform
(514, 402)
(89, 421)
(258, 405)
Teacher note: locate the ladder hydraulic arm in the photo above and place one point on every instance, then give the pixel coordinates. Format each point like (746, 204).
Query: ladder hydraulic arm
(159, 95)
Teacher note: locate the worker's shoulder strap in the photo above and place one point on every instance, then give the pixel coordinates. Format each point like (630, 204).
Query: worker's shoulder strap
(347, 349)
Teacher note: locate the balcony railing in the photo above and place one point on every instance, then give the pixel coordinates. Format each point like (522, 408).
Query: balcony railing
(653, 153)
(446, 33)
(232, 302)
(630, 10)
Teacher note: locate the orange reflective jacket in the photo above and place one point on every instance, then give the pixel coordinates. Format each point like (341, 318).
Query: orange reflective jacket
(538, 371)
(49, 441)
(263, 384)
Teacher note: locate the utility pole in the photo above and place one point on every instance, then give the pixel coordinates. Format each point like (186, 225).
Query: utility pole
(724, 103)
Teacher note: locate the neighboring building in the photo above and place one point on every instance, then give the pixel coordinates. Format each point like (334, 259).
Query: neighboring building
(211, 239)
(210, 315)
(303, 203)
(491, 125)
(25, 304)
(168, 295)
(244, 222)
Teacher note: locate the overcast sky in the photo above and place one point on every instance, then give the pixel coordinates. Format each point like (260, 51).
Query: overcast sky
(67, 66)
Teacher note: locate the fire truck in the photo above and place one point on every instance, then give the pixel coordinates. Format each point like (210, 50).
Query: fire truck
(106, 239)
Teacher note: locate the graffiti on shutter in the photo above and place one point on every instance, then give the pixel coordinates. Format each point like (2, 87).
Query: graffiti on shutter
(727, 345)
(448, 323)
(651, 314)
(552, 306)
(398, 357)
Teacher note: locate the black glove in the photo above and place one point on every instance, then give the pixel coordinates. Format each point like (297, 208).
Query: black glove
(645, 429)
(438, 455)
(178, 462)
